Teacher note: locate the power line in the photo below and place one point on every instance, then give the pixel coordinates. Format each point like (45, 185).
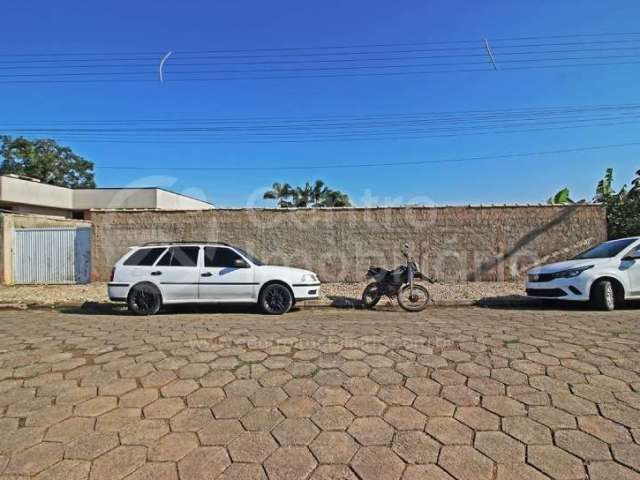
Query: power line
(376, 165)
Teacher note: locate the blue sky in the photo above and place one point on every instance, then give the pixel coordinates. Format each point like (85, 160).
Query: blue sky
(37, 27)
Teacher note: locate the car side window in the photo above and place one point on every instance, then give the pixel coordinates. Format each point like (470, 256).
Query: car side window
(220, 257)
(180, 257)
(144, 257)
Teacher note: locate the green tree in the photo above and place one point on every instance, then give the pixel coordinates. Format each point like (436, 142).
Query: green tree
(562, 197)
(47, 161)
(623, 206)
(316, 195)
(634, 191)
(281, 192)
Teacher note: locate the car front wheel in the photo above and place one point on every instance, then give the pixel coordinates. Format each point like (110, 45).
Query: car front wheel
(603, 296)
(275, 299)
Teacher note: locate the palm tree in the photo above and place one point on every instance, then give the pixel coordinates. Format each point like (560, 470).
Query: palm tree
(280, 192)
(335, 198)
(303, 196)
(319, 190)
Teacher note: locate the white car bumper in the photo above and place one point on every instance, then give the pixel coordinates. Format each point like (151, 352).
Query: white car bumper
(118, 291)
(306, 291)
(575, 289)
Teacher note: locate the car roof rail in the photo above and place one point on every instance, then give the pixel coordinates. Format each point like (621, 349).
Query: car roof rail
(186, 242)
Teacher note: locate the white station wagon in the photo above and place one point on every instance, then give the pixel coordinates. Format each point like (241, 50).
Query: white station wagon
(157, 274)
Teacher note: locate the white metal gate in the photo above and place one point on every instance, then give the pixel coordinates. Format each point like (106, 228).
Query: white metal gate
(52, 255)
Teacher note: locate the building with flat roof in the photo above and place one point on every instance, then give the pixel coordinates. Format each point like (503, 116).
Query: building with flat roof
(30, 196)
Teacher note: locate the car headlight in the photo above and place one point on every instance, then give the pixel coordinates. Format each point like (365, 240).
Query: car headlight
(309, 278)
(572, 272)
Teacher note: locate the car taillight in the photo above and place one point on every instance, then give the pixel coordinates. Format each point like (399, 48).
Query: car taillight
(113, 274)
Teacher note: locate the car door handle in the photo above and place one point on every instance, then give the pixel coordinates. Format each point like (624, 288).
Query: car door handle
(156, 273)
(207, 274)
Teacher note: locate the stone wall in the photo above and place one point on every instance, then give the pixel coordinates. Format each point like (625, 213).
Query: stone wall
(450, 243)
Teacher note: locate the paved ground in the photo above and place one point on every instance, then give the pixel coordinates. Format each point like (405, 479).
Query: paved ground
(470, 394)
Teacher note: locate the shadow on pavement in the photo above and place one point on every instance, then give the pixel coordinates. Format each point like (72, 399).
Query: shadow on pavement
(520, 302)
(100, 308)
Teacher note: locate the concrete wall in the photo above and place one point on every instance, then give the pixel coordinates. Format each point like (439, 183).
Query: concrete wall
(10, 222)
(167, 200)
(19, 191)
(452, 243)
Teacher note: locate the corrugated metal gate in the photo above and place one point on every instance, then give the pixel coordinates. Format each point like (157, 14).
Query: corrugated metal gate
(52, 255)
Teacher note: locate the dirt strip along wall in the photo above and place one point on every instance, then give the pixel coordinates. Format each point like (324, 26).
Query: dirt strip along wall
(450, 243)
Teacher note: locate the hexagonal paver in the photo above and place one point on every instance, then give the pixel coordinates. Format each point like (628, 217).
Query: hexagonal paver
(423, 386)
(333, 472)
(503, 406)
(118, 463)
(205, 397)
(295, 432)
(299, 407)
(555, 462)
(70, 429)
(449, 431)
(416, 447)
(434, 406)
(263, 418)
(203, 462)
(220, 432)
(605, 430)
(179, 388)
(333, 418)
(371, 431)
(365, 406)
(300, 387)
(244, 471)
(139, 397)
(377, 463)
(521, 471)
(333, 447)
(610, 470)
(96, 406)
(478, 418)
(155, 471)
(217, 378)
(396, 395)
(232, 407)
(34, 459)
(461, 395)
(582, 445)
(191, 419)
(164, 408)
(252, 447)
(500, 447)
(553, 418)
(329, 395)
(143, 432)
(527, 431)
(268, 396)
(173, 447)
(91, 446)
(405, 418)
(627, 454)
(465, 463)
(290, 463)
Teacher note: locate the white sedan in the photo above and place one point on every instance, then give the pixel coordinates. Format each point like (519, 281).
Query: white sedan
(149, 276)
(605, 275)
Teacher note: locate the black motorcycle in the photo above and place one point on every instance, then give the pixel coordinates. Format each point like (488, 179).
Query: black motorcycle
(398, 283)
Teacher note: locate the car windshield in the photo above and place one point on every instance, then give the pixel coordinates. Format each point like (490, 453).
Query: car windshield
(606, 249)
(253, 259)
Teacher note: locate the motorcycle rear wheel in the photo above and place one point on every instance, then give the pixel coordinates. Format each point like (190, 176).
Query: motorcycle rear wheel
(415, 303)
(371, 295)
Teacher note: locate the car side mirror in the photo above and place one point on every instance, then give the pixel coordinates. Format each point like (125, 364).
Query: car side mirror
(631, 258)
(240, 263)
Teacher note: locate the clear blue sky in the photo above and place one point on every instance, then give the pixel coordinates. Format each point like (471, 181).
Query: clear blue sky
(35, 27)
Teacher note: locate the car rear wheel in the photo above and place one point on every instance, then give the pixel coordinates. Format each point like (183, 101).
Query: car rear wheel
(275, 299)
(144, 299)
(603, 295)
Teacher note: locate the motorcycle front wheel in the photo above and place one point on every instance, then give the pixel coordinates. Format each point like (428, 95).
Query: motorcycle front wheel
(371, 295)
(416, 302)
